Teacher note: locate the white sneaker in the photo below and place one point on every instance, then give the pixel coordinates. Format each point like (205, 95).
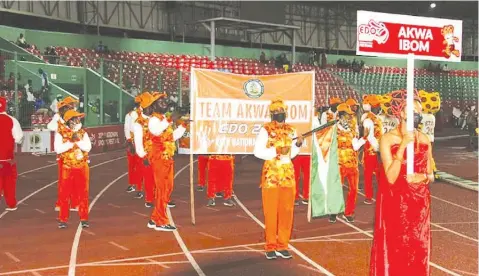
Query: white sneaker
(11, 209)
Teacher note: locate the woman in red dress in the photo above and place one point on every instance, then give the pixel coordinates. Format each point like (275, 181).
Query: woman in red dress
(402, 231)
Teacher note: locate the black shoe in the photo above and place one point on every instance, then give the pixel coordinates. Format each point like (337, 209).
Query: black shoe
(200, 188)
(171, 204)
(62, 225)
(165, 228)
(130, 189)
(332, 218)
(85, 224)
(219, 195)
(151, 224)
(284, 254)
(229, 202)
(349, 219)
(148, 205)
(139, 195)
(211, 202)
(296, 203)
(271, 255)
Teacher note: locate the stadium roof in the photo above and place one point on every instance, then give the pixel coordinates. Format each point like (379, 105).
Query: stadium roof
(248, 26)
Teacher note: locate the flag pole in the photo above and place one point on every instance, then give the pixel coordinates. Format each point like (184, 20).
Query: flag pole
(410, 111)
(192, 140)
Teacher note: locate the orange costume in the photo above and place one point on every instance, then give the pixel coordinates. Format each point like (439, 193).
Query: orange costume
(160, 156)
(142, 141)
(277, 180)
(330, 115)
(373, 124)
(11, 133)
(134, 162)
(57, 124)
(73, 153)
(221, 177)
(348, 145)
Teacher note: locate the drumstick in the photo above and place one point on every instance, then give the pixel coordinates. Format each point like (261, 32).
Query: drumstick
(328, 124)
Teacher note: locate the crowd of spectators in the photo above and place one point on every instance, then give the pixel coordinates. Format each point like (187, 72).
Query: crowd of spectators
(355, 65)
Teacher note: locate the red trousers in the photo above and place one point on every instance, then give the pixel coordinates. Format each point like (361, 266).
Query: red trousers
(302, 163)
(8, 183)
(352, 176)
(202, 165)
(74, 184)
(73, 199)
(220, 177)
(164, 171)
(146, 177)
(134, 168)
(371, 167)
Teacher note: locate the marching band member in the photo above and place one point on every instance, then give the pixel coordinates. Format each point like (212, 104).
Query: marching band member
(275, 145)
(330, 114)
(73, 145)
(389, 121)
(431, 104)
(160, 156)
(354, 106)
(373, 132)
(12, 134)
(142, 142)
(133, 160)
(57, 122)
(348, 146)
(220, 178)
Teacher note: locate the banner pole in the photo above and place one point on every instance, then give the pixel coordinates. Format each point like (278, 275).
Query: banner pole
(410, 111)
(192, 139)
(192, 190)
(312, 145)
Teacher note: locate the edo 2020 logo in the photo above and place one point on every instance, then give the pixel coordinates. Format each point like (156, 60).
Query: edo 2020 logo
(253, 88)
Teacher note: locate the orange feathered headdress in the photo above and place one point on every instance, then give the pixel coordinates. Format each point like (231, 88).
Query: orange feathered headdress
(276, 105)
(334, 100)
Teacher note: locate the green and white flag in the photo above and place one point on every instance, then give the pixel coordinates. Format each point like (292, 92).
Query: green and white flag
(326, 189)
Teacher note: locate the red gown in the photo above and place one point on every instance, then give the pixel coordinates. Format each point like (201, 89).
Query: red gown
(402, 228)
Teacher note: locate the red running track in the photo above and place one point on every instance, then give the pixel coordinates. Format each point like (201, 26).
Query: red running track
(224, 241)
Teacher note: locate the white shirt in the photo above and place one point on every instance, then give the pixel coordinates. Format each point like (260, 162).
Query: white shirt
(130, 119)
(428, 125)
(324, 116)
(369, 124)
(60, 147)
(357, 143)
(53, 106)
(53, 124)
(17, 132)
(262, 152)
(389, 122)
(30, 96)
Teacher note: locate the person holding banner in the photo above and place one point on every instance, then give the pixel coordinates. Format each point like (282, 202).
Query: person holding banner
(162, 149)
(220, 178)
(373, 131)
(73, 145)
(142, 142)
(12, 134)
(274, 144)
(348, 146)
(133, 160)
(402, 231)
(330, 114)
(54, 125)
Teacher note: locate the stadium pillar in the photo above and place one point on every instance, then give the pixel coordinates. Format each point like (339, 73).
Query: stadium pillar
(17, 104)
(85, 89)
(120, 85)
(293, 42)
(212, 39)
(101, 93)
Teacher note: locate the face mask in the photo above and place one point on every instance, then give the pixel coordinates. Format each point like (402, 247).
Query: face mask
(376, 110)
(77, 127)
(417, 119)
(279, 117)
(366, 107)
(334, 108)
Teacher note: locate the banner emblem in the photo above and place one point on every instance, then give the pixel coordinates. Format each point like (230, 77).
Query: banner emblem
(253, 88)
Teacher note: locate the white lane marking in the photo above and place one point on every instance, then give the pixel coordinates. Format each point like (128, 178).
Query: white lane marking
(113, 205)
(36, 273)
(465, 272)
(180, 241)
(458, 222)
(12, 257)
(133, 264)
(76, 239)
(119, 246)
(40, 211)
(214, 209)
(310, 268)
(454, 204)
(52, 183)
(158, 263)
(296, 251)
(210, 236)
(140, 214)
(89, 232)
